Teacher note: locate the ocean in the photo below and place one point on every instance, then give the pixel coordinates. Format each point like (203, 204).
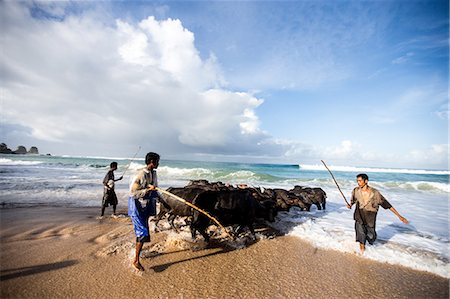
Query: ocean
(422, 196)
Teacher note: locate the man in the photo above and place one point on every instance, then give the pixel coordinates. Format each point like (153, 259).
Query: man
(109, 195)
(367, 201)
(142, 203)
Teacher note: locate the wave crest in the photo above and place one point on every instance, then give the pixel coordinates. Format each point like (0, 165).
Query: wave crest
(9, 162)
(373, 169)
(418, 186)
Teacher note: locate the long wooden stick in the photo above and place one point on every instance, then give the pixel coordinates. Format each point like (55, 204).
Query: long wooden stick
(335, 182)
(194, 207)
(131, 161)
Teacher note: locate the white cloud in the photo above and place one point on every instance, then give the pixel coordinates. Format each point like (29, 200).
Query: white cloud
(403, 59)
(344, 150)
(444, 111)
(351, 153)
(78, 80)
(436, 154)
(100, 86)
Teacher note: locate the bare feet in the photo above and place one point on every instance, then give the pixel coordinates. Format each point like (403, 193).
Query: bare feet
(362, 247)
(138, 266)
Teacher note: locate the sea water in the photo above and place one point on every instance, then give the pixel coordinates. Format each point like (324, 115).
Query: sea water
(422, 196)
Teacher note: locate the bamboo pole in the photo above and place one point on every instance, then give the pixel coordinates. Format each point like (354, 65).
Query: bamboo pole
(335, 182)
(131, 160)
(194, 207)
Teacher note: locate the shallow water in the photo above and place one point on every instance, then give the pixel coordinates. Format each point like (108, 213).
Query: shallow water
(420, 195)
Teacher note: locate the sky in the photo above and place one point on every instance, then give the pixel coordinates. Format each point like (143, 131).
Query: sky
(359, 83)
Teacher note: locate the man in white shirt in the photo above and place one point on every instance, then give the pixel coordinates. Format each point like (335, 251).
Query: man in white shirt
(142, 203)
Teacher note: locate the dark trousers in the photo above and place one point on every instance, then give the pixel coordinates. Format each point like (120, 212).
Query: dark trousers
(365, 233)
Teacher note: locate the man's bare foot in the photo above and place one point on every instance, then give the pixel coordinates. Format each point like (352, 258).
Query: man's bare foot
(138, 266)
(362, 247)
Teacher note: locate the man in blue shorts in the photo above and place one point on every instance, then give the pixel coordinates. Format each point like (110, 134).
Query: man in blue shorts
(142, 203)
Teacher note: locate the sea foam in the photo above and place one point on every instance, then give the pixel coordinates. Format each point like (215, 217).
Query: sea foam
(9, 162)
(372, 169)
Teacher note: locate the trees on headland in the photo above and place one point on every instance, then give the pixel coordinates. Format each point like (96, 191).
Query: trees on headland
(20, 150)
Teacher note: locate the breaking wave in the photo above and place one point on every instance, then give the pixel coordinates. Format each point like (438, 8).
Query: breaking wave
(372, 169)
(9, 162)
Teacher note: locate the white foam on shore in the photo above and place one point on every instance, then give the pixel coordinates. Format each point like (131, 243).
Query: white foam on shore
(421, 245)
(391, 252)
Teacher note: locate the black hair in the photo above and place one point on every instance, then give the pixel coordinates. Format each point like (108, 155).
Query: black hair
(113, 164)
(151, 157)
(363, 176)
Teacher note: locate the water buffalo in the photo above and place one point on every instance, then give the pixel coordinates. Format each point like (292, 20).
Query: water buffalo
(174, 207)
(230, 207)
(311, 196)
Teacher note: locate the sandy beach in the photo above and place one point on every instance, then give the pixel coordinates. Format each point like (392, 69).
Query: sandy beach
(54, 252)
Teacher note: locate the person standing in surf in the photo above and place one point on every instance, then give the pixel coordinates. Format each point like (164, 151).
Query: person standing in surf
(142, 203)
(109, 195)
(368, 200)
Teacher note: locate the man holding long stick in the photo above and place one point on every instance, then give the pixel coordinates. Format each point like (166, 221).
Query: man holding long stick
(368, 200)
(142, 203)
(109, 195)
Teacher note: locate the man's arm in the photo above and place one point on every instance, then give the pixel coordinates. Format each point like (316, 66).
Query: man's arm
(387, 205)
(352, 200)
(402, 219)
(140, 193)
(106, 179)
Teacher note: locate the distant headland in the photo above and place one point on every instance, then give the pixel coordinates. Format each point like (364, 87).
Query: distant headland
(21, 150)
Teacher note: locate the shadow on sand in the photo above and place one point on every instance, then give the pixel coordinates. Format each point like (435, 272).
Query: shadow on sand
(220, 247)
(6, 274)
(162, 267)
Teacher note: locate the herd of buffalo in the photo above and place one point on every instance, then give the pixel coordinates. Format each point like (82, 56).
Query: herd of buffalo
(234, 206)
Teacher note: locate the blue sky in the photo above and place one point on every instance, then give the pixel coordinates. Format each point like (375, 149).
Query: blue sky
(361, 83)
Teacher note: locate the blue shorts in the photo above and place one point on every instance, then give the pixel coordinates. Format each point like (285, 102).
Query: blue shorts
(140, 213)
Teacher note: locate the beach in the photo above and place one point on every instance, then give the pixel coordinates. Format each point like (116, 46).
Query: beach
(56, 252)
(420, 195)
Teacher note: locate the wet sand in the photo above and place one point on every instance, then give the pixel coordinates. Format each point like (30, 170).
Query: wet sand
(57, 252)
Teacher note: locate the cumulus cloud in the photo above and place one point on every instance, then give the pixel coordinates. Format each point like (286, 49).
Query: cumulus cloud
(436, 154)
(352, 153)
(98, 87)
(79, 81)
(342, 151)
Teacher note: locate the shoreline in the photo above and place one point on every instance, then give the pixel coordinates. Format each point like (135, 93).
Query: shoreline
(57, 252)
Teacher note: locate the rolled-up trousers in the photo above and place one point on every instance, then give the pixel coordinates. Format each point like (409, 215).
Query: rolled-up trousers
(365, 233)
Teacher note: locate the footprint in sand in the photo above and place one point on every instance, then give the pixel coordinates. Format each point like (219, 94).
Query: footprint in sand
(45, 232)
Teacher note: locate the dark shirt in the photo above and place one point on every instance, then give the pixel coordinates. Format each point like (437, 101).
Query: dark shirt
(108, 176)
